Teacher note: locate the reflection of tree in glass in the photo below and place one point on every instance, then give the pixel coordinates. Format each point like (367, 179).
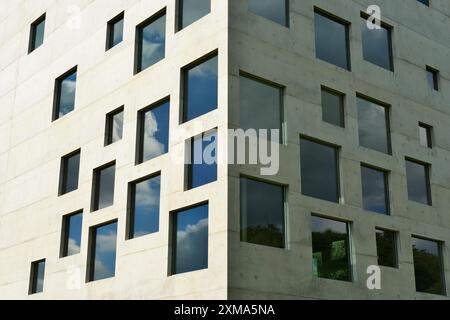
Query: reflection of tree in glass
(269, 235)
(427, 268)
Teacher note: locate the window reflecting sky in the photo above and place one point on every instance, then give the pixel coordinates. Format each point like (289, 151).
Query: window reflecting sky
(39, 34)
(74, 225)
(425, 136)
(274, 10)
(192, 10)
(72, 170)
(38, 277)
(374, 190)
(332, 108)
(117, 127)
(428, 266)
(105, 252)
(417, 180)
(67, 94)
(203, 159)
(376, 45)
(153, 43)
(106, 187)
(145, 215)
(117, 33)
(156, 132)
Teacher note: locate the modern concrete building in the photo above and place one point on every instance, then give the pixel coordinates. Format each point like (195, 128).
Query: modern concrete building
(98, 202)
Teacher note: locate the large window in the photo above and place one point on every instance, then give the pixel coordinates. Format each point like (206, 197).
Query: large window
(428, 266)
(190, 239)
(37, 34)
(275, 10)
(64, 100)
(377, 47)
(143, 216)
(418, 181)
(262, 213)
(37, 277)
(103, 186)
(203, 160)
(332, 43)
(375, 190)
(102, 252)
(153, 131)
(331, 249)
(114, 126)
(114, 34)
(319, 170)
(69, 172)
(373, 126)
(190, 11)
(386, 248)
(200, 87)
(150, 41)
(71, 234)
(333, 107)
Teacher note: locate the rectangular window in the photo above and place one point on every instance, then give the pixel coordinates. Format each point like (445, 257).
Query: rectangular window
(387, 248)
(65, 88)
(275, 10)
(69, 172)
(319, 170)
(428, 266)
(432, 78)
(102, 252)
(143, 215)
(425, 135)
(331, 249)
(418, 180)
(425, 2)
(71, 234)
(37, 31)
(375, 190)
(153, 131)
(103, 186)
(202, 167)
(114, 33)
(373, 126)
(150, 41)
(190, 11)
(114, 126)
(332, 43)
(262, 213)
(189, 239)
(200, 87)
(333, 107)
(37, 277)
(377, 44)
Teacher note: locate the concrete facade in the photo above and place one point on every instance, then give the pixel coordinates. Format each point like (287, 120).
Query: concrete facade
(31, 145)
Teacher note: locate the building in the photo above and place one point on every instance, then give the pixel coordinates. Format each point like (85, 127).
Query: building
(103, 101)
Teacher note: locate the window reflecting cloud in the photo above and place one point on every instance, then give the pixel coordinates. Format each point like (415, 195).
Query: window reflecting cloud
(153, 43)
(67, 94)
(105, 252)
(417, 181)
(374, 190)
(155, 141)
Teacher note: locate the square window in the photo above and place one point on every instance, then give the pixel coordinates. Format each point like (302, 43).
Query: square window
(332, 43)
(432, 78)
(377, 45)
(319, 170)
(114, 126)
(114, 34)
(65, 89)
(153, 131)
(375, 190)
(200, 87)
(262, 213)
(333, 107)
(425, 133)
(331, 249)
(418, 181)
(387, 248)
(69, 172)
(189, 239)
(202, 167)
(71, 234)
(190, 11)
(103, 186)
(37, 34)
(102, 252)
(143, 215)
(37, 277)
(275, 10)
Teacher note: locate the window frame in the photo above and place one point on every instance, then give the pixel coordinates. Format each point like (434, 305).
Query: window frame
(287, 13)
(57, 93)
(110, 30)
(435, 72)
(342, 97)
(64, 244)
(179, 16)
(32, 287)
(32, 38)
(63, 171)
(109, 124)
(95, 193)
(386, 187)
(429, 132)
(427, 167)
(396, 247)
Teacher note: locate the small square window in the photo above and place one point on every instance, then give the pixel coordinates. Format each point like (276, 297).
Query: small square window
(432, 78)
(101, 262)
(65, 89)
(377, 44)
(425, 135)
(202, 167)
(114, 34)
(386, 248)
(114, 126)
(275, 10)
(103, 186)
(37, 277)
(190, 11)
(37, 34)
(333, 107)
(71, 234)
(69, 172)
(375, 190)
(418, 181)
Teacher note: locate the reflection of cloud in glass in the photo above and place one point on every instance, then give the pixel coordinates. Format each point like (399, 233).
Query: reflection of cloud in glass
(417, 182)
(153, 42)
(274, 10)
(374, 190)
(67, 94)
(105, 251)
(106, 187)
(117, 128)
(146, 207)
(156, 132)
(73, 247)
(373, 132)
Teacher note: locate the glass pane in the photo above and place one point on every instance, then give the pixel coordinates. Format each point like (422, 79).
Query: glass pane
(74, 225)
(425, 138)
(192, 10)
(191, 227)
(104, 263)
(39, 34)
(332, 108)
(331, 41)
(431, 80)
(203, 168)
(116, 127)
(417, 180)
(262, 213)
(117, 33)
(386, 248)
(274, 10)
(153, 43)
(105, 184)
(201, 89)
(72, 169)
(66, 101)
(330, 249)
(374, 190)
(38, 269)
(376, 45)
(155, 133)
(373, 129)
(428, 266)
(319, 170)
(145, 214)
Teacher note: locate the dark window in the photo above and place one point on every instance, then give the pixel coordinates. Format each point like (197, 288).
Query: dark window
(319, 170)
(37, 277)
(418, 180)
(333, 107)
(37, 34)
(114, 34)
(275, 10)
(428, 266)
(377, 46)
(190, 239)
(190, 11)
(425, 133)
(65, 88)
(375, 190)
(150, 41)
(144, 207)
(262, 213)
(70, 168)
(103, 186)
(386, 248)
(203, 160)
(425, 2)
(153, 131)
(71, 234)
(332, 40)
(432, 78)
(200, 88)
(373, 126)
(102, 252)
(114, 126)
(331, 249)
